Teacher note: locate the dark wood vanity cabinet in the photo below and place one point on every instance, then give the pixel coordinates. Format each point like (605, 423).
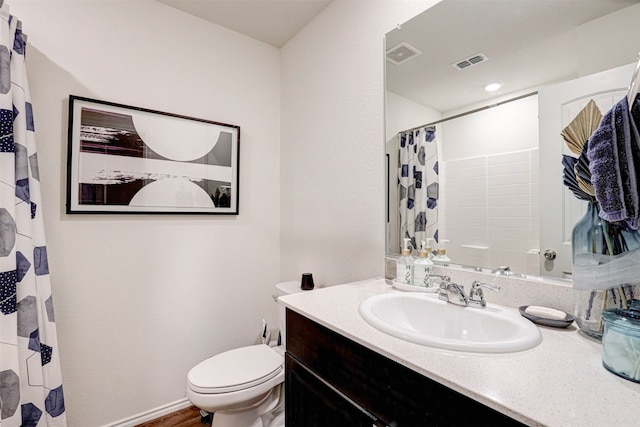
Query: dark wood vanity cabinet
(332, 381)
(319, 403)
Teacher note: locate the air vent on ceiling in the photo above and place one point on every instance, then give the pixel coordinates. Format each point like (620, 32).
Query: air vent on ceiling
(470, 61)
(402, 53)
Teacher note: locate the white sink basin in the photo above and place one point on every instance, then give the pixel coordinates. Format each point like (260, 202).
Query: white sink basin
(424, 319)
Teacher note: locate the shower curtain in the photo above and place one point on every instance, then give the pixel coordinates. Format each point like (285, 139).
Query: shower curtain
(418, 185)
(30, 378)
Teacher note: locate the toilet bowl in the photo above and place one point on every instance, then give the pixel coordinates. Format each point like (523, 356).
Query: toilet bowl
(243, 387)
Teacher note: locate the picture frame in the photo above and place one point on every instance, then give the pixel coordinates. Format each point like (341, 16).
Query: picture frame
(131, 160)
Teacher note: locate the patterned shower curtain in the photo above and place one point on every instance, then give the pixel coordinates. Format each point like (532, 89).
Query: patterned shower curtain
(418, 185)
(30, 378)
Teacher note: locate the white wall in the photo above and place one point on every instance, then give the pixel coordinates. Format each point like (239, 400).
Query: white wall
(595, 41)
(332, 148)
(141, 299)
(403, 113)
(508, 127)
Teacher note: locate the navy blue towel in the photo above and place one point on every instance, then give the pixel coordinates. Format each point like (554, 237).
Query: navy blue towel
(614, 158)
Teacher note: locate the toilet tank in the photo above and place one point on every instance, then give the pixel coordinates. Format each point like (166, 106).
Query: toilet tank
(282, 289)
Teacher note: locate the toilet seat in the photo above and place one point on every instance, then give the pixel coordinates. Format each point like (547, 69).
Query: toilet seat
(235, 370)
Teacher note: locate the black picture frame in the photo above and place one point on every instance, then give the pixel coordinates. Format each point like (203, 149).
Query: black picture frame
(131, 160)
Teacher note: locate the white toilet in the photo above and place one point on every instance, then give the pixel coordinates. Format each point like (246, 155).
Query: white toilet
(243, 387)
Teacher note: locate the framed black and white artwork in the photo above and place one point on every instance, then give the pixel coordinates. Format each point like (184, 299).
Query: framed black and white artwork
(124, 159)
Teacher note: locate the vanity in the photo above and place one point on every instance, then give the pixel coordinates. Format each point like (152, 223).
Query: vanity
(341, 371)
(334, 381)
(502, 212)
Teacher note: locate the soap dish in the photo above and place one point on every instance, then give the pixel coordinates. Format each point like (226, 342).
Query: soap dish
(554, 318)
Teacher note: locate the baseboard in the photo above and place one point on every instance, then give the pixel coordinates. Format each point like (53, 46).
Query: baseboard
(151, 414)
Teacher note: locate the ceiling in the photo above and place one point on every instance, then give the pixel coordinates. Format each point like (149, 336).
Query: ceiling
(271, 21)
(528, 42)
(537, 50)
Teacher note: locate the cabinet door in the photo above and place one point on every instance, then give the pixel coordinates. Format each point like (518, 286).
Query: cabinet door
(313, 403)
(389, 392)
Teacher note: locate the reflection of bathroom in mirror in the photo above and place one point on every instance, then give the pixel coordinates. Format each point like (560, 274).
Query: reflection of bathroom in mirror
(501, 197)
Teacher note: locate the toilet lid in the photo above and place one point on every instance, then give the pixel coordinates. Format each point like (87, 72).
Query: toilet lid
(235, 369)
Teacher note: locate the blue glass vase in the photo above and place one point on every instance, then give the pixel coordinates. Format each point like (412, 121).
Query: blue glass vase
(593, 235)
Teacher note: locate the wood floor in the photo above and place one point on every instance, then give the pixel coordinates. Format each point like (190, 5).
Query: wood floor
(188, 417)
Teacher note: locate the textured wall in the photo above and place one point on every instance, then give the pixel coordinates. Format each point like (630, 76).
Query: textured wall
(332, 149)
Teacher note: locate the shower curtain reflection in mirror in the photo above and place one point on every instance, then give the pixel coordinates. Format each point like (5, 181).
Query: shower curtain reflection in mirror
(418, 185)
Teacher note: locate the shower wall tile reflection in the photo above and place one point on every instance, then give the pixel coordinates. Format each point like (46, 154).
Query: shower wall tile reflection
(492, 210)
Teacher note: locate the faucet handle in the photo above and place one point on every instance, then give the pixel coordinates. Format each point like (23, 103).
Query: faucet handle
(478, 284)
(476, 295)
(443, 289)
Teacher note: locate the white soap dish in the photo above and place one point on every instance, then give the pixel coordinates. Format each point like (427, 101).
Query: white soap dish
(546, 316)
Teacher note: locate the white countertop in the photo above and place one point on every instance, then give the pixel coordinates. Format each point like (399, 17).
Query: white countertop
(561, 382)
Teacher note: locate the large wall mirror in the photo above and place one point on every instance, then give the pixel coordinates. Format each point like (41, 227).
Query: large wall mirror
(498, 196)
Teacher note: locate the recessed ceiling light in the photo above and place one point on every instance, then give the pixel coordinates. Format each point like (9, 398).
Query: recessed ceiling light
(492, 87)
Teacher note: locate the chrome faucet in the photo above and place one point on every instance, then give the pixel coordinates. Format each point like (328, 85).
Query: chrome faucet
(476, 295)
(455, 294)
(505, 270)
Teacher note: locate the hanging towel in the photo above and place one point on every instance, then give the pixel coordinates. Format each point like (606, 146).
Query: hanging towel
(614, 159)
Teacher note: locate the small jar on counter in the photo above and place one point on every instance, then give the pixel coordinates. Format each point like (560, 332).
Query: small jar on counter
(621, 341)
